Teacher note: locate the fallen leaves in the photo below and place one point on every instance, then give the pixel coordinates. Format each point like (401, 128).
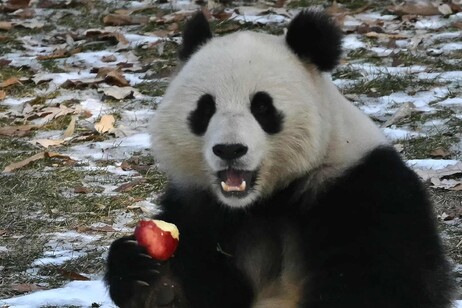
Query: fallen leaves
(13, 5)
(123, 20)
(58, 54)
(5, 25)
(9, 82)
(39, 156)
(105, 124)
(449, 178)
(118, 92)
(25, 287)
(69, 275)
(17, 131)
(425, 8)
(46, 143)
(129, 186)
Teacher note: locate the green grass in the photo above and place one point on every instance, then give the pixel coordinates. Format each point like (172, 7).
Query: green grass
(51, 66)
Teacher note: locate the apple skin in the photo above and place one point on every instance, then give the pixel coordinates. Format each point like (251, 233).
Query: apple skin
(158, 237)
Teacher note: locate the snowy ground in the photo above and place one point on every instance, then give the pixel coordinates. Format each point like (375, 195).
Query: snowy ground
(92, 176)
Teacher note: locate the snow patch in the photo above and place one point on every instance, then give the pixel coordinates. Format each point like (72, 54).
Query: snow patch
(76, 293)
(430, 164)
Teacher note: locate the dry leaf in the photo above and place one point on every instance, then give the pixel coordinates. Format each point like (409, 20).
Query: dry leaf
(17, 131)
(81, 190)
(9, 82)
(448, 171)
(439, 152)
(72, 275)
(81, 84)
(125, 166)
(57, 155)
(25, 287)
(374, 34)
(13, 5)
(129, 186)
(36, 157)
(116, 78)
(4, 62)
(122, 20)
(444, 9)
(5, 25)
(2, 94)
(46, 143)
(425, 8)
(110, 58)
(24, 13)
(106, 124)
(70, 128)
(119, 92)
(51, 113)
(24, 162)
(57, 54)
(404, 111)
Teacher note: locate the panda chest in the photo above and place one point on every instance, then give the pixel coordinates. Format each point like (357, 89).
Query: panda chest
(269, 254)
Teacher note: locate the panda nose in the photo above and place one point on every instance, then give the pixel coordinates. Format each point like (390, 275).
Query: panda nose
(229, 151)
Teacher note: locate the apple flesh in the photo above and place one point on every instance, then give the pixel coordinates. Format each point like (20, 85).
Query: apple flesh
(160, 238)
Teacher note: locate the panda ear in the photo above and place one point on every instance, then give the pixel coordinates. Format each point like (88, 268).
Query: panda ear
(313, 36)
(196, 33)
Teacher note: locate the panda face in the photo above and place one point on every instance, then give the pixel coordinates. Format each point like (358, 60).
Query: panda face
(241, 119)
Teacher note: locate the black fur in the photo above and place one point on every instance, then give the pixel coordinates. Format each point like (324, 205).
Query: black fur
(199, 119)
(196, 33)
(369, 241)
(269, 118)
(313, 36)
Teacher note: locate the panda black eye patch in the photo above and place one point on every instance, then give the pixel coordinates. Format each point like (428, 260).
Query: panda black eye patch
(199, 118)
(269, 118)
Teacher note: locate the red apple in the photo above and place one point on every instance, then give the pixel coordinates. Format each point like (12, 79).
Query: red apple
(160, 238)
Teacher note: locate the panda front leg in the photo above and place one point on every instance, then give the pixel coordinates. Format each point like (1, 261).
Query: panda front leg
(137, 280)
(196, 276)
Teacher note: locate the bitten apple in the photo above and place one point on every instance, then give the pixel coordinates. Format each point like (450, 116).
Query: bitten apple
(160, 238)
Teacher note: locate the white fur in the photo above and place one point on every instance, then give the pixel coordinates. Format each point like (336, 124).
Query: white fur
(322, 132)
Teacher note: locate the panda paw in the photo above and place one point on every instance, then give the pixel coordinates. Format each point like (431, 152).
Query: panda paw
(137, 280)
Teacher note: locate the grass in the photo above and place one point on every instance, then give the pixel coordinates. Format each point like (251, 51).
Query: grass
(152, 88)
(421, 147)
(51, 66)
(387, 83)
(40, 200)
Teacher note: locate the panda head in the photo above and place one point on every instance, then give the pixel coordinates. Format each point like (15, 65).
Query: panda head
(244, 115)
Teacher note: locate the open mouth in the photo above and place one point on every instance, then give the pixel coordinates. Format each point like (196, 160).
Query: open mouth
(236, 182)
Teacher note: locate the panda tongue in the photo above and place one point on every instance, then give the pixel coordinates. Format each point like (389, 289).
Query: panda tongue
(234, 181)
(234, 178)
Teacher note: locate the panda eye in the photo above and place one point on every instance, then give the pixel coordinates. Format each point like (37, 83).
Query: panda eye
(200, 117)
(269, 118)
(261, 103)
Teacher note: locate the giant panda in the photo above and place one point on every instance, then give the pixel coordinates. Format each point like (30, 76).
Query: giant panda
(284, 193)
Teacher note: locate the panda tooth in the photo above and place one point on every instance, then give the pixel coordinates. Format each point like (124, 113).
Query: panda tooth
(228, 188)
(242, 186)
